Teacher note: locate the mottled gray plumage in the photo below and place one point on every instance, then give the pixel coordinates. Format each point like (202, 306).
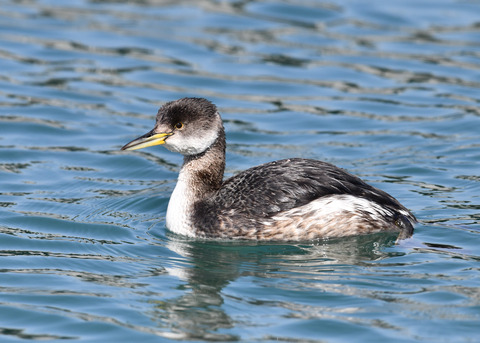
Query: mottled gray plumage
(291, 199)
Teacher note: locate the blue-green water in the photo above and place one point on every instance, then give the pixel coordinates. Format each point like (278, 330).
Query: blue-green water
(389, 90)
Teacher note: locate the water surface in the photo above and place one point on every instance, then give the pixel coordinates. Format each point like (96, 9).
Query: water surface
(387, 90)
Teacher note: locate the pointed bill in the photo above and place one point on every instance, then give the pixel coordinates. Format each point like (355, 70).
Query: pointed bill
(150, 139)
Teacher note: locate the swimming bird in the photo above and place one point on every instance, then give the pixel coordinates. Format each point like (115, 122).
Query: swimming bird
(293, 199)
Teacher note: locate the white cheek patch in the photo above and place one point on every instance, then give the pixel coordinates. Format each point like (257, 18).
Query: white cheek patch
(191, 145)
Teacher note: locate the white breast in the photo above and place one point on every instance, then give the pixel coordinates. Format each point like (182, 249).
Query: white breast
(180, 207)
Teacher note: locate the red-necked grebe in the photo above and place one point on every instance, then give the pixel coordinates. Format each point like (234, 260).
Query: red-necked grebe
(288, 200)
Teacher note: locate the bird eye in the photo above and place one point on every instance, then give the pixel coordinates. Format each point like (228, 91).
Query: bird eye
(179, 125)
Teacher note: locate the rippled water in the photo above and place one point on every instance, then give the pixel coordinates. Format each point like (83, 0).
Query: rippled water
(386, 89)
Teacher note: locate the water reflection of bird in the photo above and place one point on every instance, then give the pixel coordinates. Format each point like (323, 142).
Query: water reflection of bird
(288, 200)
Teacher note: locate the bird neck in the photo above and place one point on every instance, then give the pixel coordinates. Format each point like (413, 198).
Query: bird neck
(204, 171)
